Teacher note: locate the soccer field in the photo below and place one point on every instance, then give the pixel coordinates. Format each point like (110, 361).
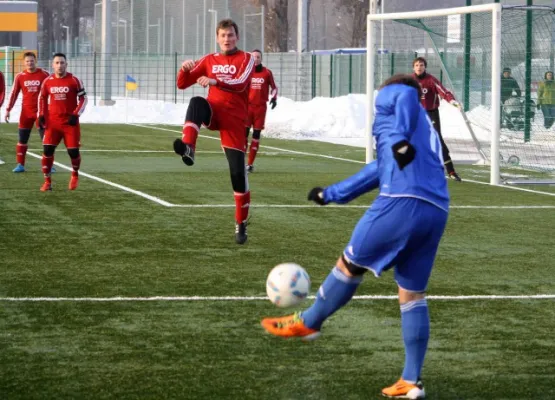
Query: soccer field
(132, 286)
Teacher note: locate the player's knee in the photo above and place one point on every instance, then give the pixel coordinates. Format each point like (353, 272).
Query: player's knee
(238, 179)
(24, 135)
(348, 268)
(256, 134)
(199, 111)
(406, 296)
(73, 153)
(48, 150)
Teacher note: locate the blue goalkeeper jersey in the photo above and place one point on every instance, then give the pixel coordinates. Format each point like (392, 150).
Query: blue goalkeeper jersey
(399, 116)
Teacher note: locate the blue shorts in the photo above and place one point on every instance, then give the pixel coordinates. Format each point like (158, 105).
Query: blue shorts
(400, 232)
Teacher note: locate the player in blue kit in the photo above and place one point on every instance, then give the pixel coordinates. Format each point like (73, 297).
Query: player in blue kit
(401, 229)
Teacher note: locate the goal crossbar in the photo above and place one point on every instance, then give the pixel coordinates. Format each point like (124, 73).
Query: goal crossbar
(495, 10)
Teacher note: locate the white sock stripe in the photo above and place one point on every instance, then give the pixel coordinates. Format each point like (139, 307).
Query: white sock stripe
(344, 278)
(192, 125)
(414, 304)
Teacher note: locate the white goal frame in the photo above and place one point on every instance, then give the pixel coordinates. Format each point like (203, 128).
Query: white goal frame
(495, 10)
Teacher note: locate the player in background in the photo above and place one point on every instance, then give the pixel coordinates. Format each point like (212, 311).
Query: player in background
(2, 96)
(432, 92)
(401, 229)
(28, 82)
(62, 100)
(228, 75)
(261, 82)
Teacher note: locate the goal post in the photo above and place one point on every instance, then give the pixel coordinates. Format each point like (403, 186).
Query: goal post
(494, 10)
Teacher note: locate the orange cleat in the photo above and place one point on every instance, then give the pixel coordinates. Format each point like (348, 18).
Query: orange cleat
(46, 186)
(289, 326)
(73, 182)
(404, 390)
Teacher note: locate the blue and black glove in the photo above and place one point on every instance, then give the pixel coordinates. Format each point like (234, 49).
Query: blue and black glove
(404, 153)
(317, 195)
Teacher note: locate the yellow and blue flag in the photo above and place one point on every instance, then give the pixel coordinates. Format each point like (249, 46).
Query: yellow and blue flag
(130, 83)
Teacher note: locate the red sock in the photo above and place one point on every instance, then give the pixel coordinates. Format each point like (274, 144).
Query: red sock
(20, 151)
(47, 164)
(242, 203)
(253, 151)
(190, 134)
(76, 163)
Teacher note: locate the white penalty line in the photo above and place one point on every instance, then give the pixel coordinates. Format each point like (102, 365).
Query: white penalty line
(262, 298)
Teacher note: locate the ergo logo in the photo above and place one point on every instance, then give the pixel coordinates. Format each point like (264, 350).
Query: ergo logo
(224, 69)
(59, 89)
(257, 80)
(31, 83)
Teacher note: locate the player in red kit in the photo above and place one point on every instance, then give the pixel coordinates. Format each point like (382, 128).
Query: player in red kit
(261, 82)
(62, 100)
(227, 74)
(432, 92)
(2, 96)
(28, 82)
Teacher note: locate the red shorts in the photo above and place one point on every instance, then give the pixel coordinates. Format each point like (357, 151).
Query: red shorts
(231, 127)
(26, 121)
(56, 131)
(256, 116)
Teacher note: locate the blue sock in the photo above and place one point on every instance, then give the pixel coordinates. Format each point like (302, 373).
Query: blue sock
(335, 292)
(415, 324)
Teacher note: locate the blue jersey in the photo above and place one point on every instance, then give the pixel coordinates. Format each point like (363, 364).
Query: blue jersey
(399, 116)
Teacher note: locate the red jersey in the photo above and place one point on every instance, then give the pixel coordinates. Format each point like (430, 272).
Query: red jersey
(232, 73)
(2, 89)
(261, 82)
(432, 92)
(61, 97)
(29, 83)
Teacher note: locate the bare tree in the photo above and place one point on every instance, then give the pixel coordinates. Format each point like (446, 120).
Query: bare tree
(352, 30)
(276, 24)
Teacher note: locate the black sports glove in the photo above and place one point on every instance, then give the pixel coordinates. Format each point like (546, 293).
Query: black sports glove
(273, 102)
(317, 195)
(42, 122)
(72, 120)
(404, 153)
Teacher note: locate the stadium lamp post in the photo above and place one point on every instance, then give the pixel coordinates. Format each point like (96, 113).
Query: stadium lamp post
(261, 14)
(215, 19)
(68, 40)
(124, 22)
(198, 34)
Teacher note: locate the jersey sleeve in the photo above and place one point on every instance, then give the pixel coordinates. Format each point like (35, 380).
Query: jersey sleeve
(442, 92)
(81, 98)
(272, 83)
(243, 79)
(15, 92)
(186, 79)
(43, 99)
(354, 186)
(2, 89)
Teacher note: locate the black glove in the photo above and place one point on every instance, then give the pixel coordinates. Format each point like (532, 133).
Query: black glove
(42, 122)
(404, 153)
(317, 195)
(273, 102)
(72, 120)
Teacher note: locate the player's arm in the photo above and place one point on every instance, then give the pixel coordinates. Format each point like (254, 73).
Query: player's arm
(348, 189)
(243, 79)
(444, 93)
(14, 94)
(81, 103)
(2, 89)
(189, 72)
(274, 91)
(43, 105)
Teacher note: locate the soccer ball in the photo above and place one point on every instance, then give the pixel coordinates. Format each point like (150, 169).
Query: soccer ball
(287, 285)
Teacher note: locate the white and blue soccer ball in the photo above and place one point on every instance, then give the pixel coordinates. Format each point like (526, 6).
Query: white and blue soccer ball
(287, 285)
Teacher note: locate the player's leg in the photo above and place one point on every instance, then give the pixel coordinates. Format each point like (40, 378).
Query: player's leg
(72, 140)
(51, 140)
(447, 161)
(21, 149)
(199, 112)
(258, 126)
(412, 273)
(241, 192)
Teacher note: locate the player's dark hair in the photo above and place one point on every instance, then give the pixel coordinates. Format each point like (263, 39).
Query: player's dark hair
(226, 24)
(403, 79)
(59, 55)
(29, 54)
(420, 59)
(258, 51)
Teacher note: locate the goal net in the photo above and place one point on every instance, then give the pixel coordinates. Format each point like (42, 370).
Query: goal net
(468, 48)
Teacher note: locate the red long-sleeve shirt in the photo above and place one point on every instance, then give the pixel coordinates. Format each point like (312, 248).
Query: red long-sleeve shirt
(261, 82)
(432, 92)
(61, 97)
(2, 89)
(232, 73)
(29, 84)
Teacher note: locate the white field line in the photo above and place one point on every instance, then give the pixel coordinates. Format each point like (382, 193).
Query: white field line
(263, 298)
(349, 160)
(109, 183)
(271, 153)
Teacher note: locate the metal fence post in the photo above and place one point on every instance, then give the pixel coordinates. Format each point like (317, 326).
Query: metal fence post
(313, 75)
(94, 78)
(175, 78)
(350, 73)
